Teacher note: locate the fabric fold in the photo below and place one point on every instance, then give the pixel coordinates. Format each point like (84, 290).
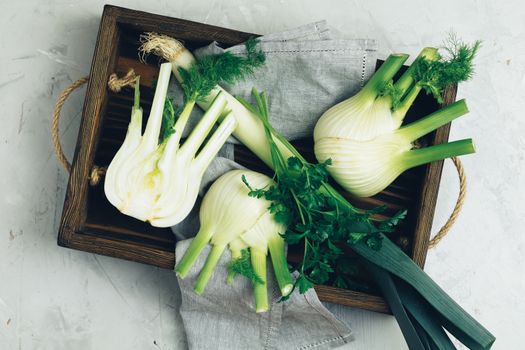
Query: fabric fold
(224, 316)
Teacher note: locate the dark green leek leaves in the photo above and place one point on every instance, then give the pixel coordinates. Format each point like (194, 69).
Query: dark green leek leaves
(456, 320)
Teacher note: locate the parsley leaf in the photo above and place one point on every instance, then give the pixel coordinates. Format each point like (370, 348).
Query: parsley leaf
(318, 219)
(303, 283)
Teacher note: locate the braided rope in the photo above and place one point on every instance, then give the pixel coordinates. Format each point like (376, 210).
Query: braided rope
(445, 229)
(115, 84)
(56, 117)
(97, 173)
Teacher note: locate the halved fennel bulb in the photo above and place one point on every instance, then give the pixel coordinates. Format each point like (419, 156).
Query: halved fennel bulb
(158, 182)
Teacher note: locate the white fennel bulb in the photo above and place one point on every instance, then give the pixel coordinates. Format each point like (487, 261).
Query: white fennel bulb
(230, 217)
(158, 181)
(366, 167)
(363, 136)
(249, 131)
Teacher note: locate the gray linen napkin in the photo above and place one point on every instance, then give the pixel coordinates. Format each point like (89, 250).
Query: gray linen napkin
(224, 316)
(305, 73)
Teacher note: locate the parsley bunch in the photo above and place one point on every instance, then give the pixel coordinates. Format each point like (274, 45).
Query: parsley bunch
(313, 211)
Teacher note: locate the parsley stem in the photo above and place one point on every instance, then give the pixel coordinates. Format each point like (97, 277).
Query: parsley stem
(298, 207)
(304, 255)
(307, 178)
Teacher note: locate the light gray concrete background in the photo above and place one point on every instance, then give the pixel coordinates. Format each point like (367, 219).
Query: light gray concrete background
(54, 298)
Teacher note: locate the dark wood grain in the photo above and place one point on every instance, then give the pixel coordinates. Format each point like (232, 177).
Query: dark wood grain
(122, 249)
(193, 34)
(75, 208)
(351, 298)
(91, 224)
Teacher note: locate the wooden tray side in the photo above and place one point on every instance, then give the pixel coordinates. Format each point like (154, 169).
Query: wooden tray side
(74, 211)
(429, 193)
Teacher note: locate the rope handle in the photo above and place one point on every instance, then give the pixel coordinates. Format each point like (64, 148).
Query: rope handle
(56, 117)
(115, 84)
(445, 229)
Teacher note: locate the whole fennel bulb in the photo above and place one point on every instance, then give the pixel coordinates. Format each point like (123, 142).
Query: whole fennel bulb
(230, 217)
(363, 135)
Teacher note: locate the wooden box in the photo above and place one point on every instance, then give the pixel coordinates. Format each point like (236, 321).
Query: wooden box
(90, 223)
